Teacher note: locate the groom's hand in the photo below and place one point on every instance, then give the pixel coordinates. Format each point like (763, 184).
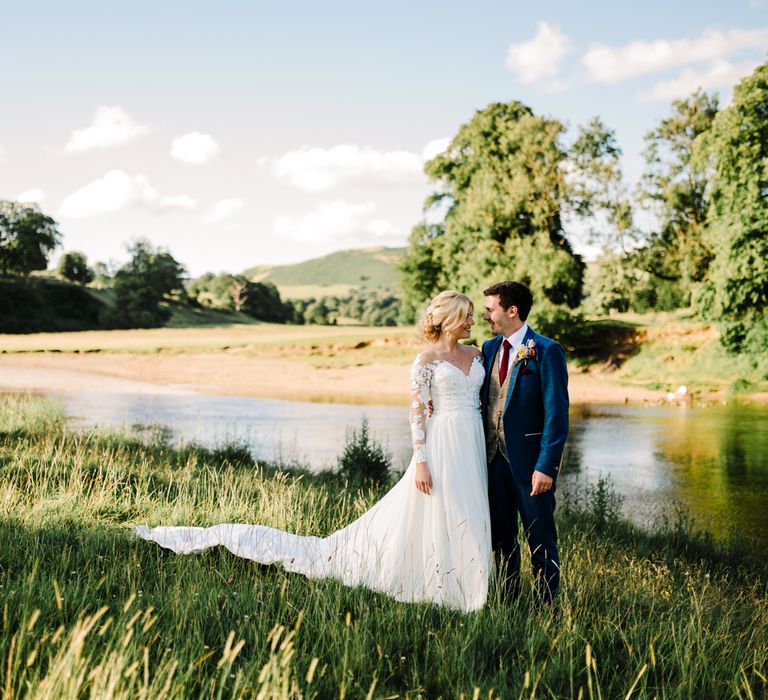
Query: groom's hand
(541, 483)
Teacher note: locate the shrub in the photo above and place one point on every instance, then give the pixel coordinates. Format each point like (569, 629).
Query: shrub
(364, 461)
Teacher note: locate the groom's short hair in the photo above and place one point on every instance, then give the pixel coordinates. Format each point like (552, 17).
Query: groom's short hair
(512, 294)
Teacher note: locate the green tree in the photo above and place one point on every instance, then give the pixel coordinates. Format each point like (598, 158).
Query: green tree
(27, 237)
(502, 182)
(421, 274)
(150, 277)
(736, 151)
(316, 312)
(73, 266)
(608, 284)
(675, 190)
(262, 301)
(596, 191)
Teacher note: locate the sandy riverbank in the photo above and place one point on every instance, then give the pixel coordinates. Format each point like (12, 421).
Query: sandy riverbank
(222, 374)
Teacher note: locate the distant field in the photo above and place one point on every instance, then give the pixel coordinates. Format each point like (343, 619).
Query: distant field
(307, 291)
(256, 339)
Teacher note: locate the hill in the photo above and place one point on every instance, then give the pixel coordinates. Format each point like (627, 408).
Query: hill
(333, 274)
(47, 304)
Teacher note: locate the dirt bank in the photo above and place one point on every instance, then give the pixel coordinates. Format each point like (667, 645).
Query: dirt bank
(223, 374)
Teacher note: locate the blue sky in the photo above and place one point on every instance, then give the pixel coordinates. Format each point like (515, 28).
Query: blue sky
(242, 133)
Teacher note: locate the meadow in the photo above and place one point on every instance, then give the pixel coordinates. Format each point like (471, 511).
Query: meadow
(88, 611)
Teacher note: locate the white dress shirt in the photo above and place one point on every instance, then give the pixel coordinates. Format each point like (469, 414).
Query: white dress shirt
(515, 340)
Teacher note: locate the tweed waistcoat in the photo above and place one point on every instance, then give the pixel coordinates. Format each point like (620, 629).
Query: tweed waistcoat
(497, 399)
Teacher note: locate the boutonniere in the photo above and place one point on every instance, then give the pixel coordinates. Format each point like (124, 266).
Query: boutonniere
(526, 352)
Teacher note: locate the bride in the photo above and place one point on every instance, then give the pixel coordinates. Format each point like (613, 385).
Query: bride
(429, 538)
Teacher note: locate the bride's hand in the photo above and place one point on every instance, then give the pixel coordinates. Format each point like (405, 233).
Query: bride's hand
(423, 478)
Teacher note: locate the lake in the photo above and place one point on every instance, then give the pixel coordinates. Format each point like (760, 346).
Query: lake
(711, 462)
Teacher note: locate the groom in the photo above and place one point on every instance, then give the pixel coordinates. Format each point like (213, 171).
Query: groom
(525, 410)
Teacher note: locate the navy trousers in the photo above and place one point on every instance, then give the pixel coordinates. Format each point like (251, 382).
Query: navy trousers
(509, 499)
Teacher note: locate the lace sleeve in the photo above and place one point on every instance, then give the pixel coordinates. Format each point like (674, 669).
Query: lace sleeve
(421, 379)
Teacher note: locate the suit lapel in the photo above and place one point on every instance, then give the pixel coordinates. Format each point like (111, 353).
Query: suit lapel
(489, 367)
(492, 356)
(516, 370)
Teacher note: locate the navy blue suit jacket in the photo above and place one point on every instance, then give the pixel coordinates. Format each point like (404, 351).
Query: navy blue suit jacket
(536, 412)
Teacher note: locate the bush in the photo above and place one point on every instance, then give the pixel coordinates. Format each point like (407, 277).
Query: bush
(40, 305)
(364, 461)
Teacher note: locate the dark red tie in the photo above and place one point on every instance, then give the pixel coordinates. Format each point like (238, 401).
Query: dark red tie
(504, 361)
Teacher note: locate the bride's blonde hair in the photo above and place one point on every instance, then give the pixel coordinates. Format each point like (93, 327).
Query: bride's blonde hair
(448, 310)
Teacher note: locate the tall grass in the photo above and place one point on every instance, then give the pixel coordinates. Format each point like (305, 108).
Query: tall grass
(87, 611)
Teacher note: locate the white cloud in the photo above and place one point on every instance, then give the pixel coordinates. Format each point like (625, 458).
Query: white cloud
(539, 57)
(320, 169)
(606, 64)
(434, 148)
(194, 148)
(720, 74)
(437, 212)
(340, 223)
(111, 126)
(2, 155)
(34, 195)
(223, 210)
(115, 191)
(179, 201)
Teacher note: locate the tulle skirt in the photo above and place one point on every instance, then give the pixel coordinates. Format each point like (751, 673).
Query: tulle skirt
(411, 546)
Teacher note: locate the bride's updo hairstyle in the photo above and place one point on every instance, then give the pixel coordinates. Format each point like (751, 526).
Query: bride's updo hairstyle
(447, 311)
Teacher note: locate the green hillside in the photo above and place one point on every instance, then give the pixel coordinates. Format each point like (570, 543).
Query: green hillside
(48, 304)
(365, 267)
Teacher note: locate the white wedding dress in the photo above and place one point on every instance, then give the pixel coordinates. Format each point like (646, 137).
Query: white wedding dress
(411, 546)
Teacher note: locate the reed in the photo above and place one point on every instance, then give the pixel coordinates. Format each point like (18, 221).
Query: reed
(87, 611)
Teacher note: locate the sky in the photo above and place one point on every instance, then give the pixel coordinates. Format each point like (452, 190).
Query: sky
(256, 132)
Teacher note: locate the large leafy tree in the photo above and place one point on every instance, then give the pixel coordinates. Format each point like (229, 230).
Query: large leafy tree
(596, 191)
(501, 184)
(675, 190)
(27, 237)
(143, 283)
(736, 150)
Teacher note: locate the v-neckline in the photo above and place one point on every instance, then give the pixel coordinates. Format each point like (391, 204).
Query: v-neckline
(468, 372)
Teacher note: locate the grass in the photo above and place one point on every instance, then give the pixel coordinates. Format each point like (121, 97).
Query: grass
(88, 611)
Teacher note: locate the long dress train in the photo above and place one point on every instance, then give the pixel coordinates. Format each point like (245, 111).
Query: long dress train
(410, 546)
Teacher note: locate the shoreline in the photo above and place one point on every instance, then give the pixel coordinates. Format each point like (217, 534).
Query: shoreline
(259, 377)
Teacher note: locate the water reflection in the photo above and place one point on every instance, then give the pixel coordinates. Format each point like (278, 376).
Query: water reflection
(711, 462)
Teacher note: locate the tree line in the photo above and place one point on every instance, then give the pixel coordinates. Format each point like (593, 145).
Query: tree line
(508, 181)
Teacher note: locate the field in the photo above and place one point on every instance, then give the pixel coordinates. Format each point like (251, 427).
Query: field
(349, 364)
(90, 612)
(651, 355)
